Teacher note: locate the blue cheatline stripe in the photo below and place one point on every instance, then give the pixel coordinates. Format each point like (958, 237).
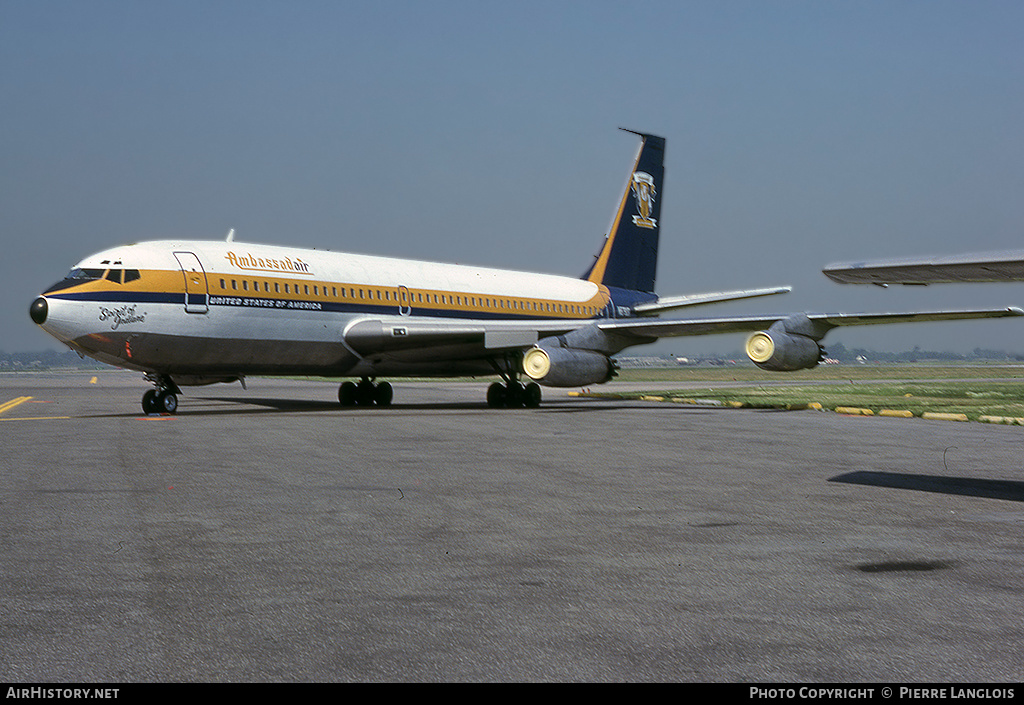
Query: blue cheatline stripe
(127, 297)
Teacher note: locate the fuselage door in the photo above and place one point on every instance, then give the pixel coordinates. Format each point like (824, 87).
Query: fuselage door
(404, 301)
(197, 291)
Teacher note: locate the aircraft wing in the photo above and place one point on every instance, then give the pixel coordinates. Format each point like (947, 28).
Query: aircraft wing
(976, 267)
(481, 338)
(821, 322)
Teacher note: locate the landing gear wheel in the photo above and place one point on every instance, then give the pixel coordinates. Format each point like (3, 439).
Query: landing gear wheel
(149, 402)
(383, 393)
(366, 393)
(514, 395)
(167, 402)
(531, 395)
(496, 395)
(347, 394)
(157, 401)
(164, 398)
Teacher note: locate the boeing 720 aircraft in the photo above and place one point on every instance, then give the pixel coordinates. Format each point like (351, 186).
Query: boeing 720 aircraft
(194, 312)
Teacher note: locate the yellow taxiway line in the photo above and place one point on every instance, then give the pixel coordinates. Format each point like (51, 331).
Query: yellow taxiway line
(8, 405)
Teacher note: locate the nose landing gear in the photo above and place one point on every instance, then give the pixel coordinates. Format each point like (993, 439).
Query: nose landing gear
(163, 399)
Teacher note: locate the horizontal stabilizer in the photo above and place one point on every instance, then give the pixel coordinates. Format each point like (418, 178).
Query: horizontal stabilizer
(672, 303)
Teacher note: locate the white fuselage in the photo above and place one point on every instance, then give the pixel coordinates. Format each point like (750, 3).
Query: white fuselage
(208, 311)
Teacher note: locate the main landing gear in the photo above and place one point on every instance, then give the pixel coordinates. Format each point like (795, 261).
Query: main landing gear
(163, 399)
(512, 394)
(366, 393)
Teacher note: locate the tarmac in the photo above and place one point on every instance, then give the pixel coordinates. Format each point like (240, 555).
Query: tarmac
(270, 535)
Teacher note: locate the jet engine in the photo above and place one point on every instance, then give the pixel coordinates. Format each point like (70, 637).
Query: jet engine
(555, 366)
(780, 350)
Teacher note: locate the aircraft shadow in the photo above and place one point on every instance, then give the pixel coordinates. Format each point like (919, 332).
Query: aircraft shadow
(236, 406)
(969, 487)
(293, 405)
(560, 406)
(306, 405)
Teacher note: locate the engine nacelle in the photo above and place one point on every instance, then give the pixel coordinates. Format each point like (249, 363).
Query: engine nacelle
(779, 351)
(555, 366)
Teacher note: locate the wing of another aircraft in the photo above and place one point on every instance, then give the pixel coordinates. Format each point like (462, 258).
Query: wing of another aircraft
(975, 267)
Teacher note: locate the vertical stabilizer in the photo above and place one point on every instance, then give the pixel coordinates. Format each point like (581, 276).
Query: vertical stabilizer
(629, 258)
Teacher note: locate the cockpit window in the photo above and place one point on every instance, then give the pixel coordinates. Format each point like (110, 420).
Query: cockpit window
(86, 274)
(80, 275)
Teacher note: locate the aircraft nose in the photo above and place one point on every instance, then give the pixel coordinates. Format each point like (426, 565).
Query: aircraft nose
(38, 310)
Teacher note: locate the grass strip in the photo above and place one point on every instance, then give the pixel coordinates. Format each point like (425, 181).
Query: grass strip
(971, 398)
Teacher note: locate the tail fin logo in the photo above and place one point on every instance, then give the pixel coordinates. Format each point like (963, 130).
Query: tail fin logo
(644, 193)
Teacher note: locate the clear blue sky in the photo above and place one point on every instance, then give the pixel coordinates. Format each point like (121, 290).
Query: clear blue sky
(799, 134)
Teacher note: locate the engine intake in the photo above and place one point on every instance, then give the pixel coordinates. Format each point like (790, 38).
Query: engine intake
(780, 351)
(555, 366)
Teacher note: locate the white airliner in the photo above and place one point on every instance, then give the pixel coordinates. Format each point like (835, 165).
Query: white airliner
(194, 312)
